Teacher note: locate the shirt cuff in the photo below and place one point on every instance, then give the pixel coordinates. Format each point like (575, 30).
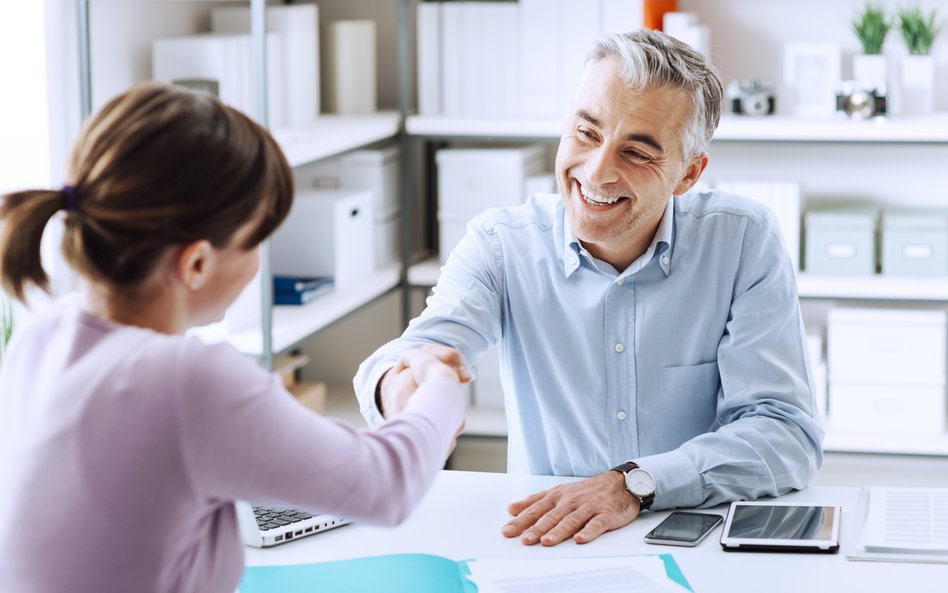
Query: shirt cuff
(677, 481)
(371, 413)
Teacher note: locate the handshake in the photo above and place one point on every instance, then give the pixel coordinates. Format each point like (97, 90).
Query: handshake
(415, 367)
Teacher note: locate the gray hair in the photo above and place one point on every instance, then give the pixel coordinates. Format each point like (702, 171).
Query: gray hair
(650, 59)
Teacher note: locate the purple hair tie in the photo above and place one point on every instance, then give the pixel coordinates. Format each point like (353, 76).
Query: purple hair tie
(72, 201)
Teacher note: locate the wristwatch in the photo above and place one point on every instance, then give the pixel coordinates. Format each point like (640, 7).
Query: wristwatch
(639, 482)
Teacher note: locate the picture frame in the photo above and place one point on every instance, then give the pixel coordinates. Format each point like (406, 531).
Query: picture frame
(811, 74)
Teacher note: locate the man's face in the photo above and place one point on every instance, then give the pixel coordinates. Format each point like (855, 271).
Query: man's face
(619, 160)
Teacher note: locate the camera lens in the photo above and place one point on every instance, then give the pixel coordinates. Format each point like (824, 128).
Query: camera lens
(756, 104)
(860, 105)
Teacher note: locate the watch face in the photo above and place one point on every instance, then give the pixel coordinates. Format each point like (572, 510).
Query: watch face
(640, 482)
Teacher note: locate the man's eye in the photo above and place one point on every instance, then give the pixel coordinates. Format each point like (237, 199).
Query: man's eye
(585, 133)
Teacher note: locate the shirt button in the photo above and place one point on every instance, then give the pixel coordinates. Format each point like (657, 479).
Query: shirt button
(665, 259)
(619, 347)
(620, 414)
(620, 282)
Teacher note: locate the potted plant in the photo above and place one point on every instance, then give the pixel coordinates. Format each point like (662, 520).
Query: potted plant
(918, 68)
(6, 322)
(871, 27)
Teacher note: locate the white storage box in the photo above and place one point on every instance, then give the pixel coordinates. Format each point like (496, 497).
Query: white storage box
(886, 345)
(376, 170)
(387, 245)
(472, 180)
(887, 407)
(841, 241)
(327, 233)
(451, 229)
(298, 57)
(915, 242)
(222, 64)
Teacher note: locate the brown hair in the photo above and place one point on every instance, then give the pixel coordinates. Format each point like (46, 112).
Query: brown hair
(158, 166)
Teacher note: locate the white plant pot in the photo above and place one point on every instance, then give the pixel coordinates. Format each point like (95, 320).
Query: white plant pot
(917, 77)
(870, 69)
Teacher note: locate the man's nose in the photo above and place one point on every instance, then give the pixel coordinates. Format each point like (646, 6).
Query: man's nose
(601, 167)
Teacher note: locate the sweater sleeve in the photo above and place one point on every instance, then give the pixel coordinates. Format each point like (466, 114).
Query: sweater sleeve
(243, 436)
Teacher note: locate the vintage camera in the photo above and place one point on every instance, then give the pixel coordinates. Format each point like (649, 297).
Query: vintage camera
(751, 97)
(860, 100)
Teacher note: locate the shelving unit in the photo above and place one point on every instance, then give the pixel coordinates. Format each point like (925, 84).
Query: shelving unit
(281, 327)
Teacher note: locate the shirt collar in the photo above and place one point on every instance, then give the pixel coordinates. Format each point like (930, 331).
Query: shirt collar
(659, 246)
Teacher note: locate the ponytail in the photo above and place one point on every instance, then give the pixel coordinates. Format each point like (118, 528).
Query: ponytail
(23, 218)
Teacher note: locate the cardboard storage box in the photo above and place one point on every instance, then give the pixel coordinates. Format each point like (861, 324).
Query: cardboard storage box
(887, 407)
(327, 233)
(311, 395)
(841, 241)
(914, 242)
(472, 180)
(903, 346)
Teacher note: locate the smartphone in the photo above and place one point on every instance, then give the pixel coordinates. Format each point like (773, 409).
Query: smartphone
(683, 528)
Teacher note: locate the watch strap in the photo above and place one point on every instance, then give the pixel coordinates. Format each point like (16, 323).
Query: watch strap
(645, 502)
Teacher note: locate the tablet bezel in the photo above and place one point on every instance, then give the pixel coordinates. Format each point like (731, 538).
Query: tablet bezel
(735, 544)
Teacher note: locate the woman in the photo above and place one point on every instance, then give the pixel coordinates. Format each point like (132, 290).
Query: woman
(123, 443)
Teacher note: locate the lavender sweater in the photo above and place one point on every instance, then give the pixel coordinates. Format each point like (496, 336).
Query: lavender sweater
(121, 451)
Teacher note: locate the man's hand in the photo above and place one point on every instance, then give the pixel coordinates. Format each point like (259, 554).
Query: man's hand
(582, 510)
(399, 383)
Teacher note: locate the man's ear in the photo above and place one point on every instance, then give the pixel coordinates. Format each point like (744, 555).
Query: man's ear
(195, 261)
(692, 172)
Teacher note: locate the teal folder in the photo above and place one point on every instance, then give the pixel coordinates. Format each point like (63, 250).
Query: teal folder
(394, 573)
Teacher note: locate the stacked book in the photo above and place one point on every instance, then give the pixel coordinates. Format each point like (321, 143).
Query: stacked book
(298, 290)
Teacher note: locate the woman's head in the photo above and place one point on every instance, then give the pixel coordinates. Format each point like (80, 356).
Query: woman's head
(158, 168)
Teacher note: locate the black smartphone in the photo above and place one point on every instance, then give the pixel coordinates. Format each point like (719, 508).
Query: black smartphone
(683, 528)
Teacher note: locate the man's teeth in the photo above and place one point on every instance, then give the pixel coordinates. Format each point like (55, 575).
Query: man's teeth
(594, 199)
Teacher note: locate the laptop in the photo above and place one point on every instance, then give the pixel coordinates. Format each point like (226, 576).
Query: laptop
(265, 526)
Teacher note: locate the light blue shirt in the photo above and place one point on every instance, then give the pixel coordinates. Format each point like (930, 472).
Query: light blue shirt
(691, 362)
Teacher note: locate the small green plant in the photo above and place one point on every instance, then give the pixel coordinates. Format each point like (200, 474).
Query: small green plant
(871, 27)
(6, 322)
(918, 30)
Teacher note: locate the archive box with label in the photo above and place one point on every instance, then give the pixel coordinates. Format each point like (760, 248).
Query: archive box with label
(327, 233)
(902, 346)
(472, 180)
(841, 241)
(914, 242)
(887, 369)
(887, 407)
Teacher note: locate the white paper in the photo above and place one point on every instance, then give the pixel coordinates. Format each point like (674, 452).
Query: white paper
(640, 574)
(911, 520)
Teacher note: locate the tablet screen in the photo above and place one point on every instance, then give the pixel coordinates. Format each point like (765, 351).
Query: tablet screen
(784, 522)
(775, 526)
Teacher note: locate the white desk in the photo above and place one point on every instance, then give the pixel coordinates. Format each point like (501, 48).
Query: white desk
(461, 517)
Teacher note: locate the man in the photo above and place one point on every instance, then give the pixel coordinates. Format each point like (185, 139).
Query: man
(650, 341)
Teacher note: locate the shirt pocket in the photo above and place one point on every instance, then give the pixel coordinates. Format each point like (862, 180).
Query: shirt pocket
(689, 401)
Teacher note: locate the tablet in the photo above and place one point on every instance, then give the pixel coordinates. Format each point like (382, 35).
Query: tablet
(781, 527)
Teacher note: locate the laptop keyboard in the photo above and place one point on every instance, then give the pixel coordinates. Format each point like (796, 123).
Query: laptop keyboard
(273, 518)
